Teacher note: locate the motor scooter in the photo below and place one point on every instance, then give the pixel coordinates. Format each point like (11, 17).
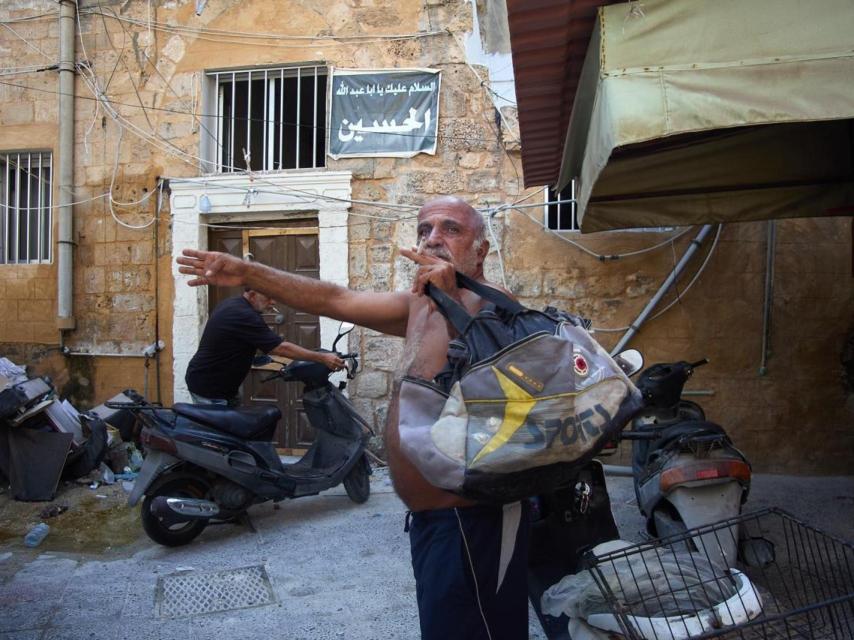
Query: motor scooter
(207, 464)
(687, 472)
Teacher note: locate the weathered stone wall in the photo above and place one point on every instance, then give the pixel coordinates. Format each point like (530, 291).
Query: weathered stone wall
(797, 417)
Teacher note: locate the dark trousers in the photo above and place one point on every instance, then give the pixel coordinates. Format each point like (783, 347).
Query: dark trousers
(458, 563)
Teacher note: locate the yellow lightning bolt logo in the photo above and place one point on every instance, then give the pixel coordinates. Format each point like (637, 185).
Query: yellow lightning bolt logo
(519, 405)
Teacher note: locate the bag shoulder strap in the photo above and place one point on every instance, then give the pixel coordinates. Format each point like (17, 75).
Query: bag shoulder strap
(453, 311)
(456, 314)
(490, 294)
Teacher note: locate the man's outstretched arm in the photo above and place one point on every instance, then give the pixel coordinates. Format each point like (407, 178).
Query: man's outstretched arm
(296, 352)
(386, 312)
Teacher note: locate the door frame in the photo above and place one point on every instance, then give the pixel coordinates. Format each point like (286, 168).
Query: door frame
(285, 195)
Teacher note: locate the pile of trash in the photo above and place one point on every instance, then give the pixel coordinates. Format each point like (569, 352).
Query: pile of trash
(44, 439)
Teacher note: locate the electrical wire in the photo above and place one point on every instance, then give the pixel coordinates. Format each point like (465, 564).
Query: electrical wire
(262, 121)
(111, 201)
(90, 79)
(234, 37)
(17, 71)
(497, 251)
(197, 161)
(161, 76)
(678, 299)
(483, 84)
(54, 206)
(38, 16)
(91, 82)
(599, 256)
(27, 42)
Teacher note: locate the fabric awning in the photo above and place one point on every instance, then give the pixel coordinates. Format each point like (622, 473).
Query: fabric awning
(690, 111)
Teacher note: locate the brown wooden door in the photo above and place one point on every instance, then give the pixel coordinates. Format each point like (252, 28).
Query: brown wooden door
(293, 249)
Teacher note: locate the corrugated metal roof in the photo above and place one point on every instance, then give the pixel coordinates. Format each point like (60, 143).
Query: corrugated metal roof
(548, 40)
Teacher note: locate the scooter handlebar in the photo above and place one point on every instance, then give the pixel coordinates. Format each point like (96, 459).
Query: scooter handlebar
(353, 365)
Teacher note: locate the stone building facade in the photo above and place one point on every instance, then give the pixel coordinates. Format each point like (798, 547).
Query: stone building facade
(143, 87)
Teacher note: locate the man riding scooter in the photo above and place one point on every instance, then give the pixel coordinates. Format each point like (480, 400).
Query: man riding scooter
(234, 332)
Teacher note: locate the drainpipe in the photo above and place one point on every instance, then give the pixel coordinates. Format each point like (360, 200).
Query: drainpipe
(635, 326)
(769, 294)
(65, 308)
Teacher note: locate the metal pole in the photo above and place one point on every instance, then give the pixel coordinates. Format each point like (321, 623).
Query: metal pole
(769, 292)
(299, 108)
(680, 266)
(65, 307)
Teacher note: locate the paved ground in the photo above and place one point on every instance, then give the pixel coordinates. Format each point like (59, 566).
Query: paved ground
(337, 570)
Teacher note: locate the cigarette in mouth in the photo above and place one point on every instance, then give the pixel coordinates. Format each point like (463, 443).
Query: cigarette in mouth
(420, 245)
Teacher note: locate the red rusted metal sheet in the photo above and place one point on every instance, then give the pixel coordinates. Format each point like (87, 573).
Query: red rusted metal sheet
(548, 40)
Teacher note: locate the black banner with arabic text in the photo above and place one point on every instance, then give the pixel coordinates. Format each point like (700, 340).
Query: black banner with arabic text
(383, 113)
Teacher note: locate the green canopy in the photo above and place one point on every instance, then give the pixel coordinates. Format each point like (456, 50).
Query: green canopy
(690, 111)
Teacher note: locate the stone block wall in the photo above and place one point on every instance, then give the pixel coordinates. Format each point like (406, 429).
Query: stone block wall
(797, 417)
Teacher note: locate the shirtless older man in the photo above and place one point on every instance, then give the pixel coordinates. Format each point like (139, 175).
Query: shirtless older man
(469, 560)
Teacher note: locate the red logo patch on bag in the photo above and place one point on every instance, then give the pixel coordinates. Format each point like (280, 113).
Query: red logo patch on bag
(580, 364)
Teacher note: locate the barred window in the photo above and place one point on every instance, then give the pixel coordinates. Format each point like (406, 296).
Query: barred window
(275, 117)
(560, 210)
(25, 216)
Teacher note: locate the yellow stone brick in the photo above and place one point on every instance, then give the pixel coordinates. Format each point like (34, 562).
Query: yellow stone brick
(34, 310)
(18, 332)
(8, 310)
(44, 288)
(45, 332)
(19, 289)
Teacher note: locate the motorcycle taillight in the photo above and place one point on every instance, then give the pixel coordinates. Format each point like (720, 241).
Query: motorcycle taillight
(705, 470)
(153, 440)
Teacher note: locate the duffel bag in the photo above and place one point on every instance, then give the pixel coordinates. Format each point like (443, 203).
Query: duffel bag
(527, 396)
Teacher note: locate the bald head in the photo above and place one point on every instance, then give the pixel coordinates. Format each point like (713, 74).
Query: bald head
(451, 229)
(460, 206)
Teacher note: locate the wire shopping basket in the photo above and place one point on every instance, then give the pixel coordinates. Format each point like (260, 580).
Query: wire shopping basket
(791, 581)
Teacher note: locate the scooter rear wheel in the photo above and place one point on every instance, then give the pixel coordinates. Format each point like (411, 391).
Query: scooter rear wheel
(358, 481)
(176, 485)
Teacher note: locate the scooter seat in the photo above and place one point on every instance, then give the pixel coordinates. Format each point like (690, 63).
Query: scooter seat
(687, 430)
(248, 423)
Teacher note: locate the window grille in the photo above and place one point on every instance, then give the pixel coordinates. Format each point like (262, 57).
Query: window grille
(275, 118)
(560, 211)
(25, 215)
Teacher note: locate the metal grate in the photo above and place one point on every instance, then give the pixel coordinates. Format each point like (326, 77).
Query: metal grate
(25, 195)
(269, 119)
(791, 582)
(189, 594)
(560, 209)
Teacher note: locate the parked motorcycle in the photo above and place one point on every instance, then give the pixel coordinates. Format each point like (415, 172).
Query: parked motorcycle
(207, 464)
(687, 472)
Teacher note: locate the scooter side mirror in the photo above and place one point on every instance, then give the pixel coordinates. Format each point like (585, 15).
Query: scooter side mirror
(630, 361)
(343, 329)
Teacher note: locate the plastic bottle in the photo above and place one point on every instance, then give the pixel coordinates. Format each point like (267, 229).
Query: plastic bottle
(135, 459)
(107, 474)
(35, 535)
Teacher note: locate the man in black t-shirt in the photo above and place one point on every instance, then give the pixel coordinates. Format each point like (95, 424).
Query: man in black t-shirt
(231, 337)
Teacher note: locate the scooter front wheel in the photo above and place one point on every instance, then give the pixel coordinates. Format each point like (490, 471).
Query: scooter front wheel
(174, 532)
(357, 484)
